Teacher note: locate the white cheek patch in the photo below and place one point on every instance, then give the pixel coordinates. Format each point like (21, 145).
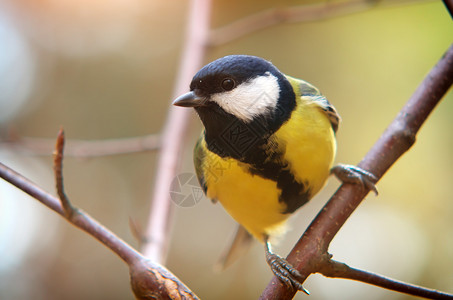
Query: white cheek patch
(255, 97)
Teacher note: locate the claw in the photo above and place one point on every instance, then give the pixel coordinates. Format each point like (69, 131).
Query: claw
(355, 175)
(283, 270)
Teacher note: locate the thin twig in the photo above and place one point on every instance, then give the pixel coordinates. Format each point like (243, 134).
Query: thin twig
(31, 189)
(295, 14)
(86, 222)
(58, 169)
(149, 280)
(337, 269)
(310, 251)
(278, 15)
(157, 232)
(85, 148)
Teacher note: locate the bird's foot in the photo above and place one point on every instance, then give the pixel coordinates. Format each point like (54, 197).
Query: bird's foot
(355, 175)
(285, 272)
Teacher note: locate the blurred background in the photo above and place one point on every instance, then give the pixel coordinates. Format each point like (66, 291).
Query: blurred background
(106, 69)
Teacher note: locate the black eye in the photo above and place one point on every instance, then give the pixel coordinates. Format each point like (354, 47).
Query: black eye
(228, 84)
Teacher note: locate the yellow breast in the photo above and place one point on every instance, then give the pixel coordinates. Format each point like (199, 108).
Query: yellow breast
(251, 200)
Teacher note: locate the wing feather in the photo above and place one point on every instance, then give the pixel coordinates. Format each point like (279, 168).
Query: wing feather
(199, 154)
(307, 89)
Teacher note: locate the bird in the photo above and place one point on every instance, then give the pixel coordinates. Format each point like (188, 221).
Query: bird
(267, 147)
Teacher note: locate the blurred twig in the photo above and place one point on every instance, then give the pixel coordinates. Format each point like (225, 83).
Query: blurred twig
(174, 132)
(310, 254)
(293, 14)
(86, 149)
(278, 15)
(149, 280)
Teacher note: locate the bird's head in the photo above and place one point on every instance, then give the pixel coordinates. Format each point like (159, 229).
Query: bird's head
(240, 87)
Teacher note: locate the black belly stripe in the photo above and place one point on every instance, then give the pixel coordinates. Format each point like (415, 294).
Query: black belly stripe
(261, 155)
(293, 193)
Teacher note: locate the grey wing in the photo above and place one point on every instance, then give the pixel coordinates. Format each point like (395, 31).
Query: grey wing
(329, 110)
(198, 157)
(307, 89)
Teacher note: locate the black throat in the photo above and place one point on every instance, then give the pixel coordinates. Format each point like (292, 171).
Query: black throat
(228, 136)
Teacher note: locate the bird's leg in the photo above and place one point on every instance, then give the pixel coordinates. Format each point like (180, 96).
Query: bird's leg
(355, 175)
(282, 269)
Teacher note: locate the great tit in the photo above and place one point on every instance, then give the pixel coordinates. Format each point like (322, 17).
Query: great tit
(267, 147)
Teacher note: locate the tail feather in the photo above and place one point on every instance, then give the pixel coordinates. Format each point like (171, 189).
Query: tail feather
(239, 246)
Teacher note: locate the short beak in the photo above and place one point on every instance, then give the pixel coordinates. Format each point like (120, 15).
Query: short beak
(189, 100)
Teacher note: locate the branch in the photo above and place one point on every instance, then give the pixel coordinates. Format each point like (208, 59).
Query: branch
(87, 149)
(157, 232)
(309, 254)
(337, 269)
(148, 279)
